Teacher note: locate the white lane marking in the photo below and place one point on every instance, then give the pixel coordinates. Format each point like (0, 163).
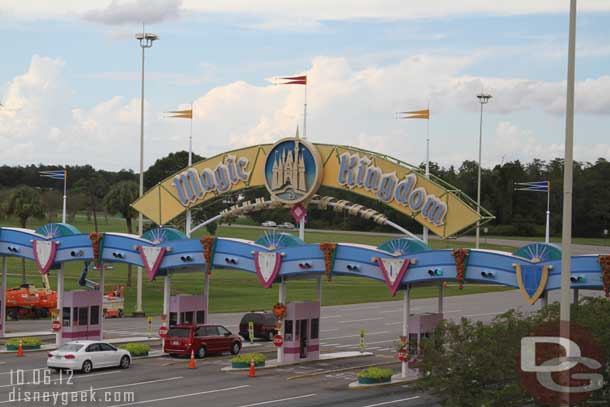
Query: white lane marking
(374, 347)
(483, 315)
(452, 311)
(330, 344)
(182, 396)
(329, 330)
(393, 323)
(331, 316)
(117, 386)
(357, 335)
(362, 308)
(368, 343)
(390, 402)
(360, 320)
(65, 379)
(397, 310)
(277, 401)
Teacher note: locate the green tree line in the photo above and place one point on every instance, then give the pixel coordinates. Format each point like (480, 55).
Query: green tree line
(25, 194)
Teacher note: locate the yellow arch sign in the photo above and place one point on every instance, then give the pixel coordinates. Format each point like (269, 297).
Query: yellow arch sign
(292, 170)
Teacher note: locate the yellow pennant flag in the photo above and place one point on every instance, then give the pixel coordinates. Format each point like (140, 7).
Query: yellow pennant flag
(416, 114)
(181, 114)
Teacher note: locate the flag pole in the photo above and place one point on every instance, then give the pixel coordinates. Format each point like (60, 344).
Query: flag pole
(188, 211)
(305, 115)
(548, 213)
(425, 231)
(63, 213)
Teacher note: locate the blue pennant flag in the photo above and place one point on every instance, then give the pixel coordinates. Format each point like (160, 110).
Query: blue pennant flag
(55, 174)
(539, 186)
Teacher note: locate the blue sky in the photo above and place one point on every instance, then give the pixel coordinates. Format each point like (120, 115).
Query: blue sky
(69, 79)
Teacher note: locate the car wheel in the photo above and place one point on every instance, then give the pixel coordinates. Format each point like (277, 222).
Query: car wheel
(270, 335)
(201, 352)
(87, 366)
(125, 362)
(235, 348)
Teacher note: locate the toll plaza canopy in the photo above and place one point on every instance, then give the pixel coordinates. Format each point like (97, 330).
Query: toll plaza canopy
(400, 262)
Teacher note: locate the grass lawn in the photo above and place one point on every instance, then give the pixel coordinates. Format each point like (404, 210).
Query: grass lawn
(233, 291)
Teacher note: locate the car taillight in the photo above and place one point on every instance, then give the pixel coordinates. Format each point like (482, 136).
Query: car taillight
(69, 356)
(49, 355)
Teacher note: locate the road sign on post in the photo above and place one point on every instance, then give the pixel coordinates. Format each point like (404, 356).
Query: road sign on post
(298, 212)
(402, 355)
(251, 331)
(56, 325)
(362, 344)
(278, 340)
(163, 331)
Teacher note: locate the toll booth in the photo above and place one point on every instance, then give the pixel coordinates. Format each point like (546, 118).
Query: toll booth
(187, 309)
(421, 326)
(302, 331)
(81, 315)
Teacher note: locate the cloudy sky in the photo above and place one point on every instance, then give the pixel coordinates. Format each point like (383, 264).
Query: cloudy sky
(70, 77)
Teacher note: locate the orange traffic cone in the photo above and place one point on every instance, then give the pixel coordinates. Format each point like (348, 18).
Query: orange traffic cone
(251, 373)
(192, 364)
(20, 349)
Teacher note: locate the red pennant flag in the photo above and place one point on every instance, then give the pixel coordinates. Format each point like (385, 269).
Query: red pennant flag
(294, 80)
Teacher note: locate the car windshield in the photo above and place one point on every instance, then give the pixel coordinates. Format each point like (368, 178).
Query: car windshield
(70, 347)
(179, 332)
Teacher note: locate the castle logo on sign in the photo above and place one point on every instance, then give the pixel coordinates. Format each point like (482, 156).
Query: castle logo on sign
(292, 170)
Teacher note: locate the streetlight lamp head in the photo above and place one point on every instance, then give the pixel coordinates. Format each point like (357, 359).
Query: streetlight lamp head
(484, 98)
(147, 36)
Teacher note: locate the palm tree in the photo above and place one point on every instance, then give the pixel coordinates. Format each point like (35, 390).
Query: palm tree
(94, 188)
(118, 200)
(24, 203)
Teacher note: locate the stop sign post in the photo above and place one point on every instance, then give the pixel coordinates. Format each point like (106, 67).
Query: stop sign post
(56, 325)
(402, 355)
(278, 340)
(162, 331)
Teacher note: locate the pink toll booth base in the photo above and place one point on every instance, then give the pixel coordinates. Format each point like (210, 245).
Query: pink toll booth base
(187, 309)
(81, 315)
(302, 331)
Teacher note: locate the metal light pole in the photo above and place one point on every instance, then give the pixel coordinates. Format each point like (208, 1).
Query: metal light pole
(483, 100)
(146, 41)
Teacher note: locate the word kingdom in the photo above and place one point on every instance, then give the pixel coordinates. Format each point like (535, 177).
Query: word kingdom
(357, 172)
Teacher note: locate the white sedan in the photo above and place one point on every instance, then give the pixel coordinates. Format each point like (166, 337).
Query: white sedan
(88, 355)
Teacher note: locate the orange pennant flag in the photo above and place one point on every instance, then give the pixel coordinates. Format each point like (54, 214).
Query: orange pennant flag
(416, 114)
(181, 114)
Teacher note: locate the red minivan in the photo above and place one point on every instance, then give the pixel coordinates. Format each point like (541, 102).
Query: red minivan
(203, 339)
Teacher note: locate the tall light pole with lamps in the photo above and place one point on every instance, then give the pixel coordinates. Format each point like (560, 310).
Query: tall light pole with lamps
(483, 100)
(146, 41)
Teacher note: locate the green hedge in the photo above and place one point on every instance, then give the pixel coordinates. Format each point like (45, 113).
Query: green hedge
(376, 373)
(247, 357)
(136, 349)
(29, 341)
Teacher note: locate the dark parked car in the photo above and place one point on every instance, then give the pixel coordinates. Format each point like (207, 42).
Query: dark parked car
(264, 325)
(203, 339)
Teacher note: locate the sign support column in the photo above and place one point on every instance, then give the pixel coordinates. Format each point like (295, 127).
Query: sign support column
(102, 294)
(60, 301)
(281, 300)
(405, 321)
(3, 297)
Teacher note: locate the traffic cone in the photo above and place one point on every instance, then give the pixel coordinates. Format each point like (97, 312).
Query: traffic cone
(20, 349)
(251, 373)
(192, 364)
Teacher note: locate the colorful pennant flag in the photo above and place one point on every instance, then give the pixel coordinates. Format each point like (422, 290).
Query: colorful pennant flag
(537, 186)
(181, 114)
(55, 174)
(293, 80)
(415, 114)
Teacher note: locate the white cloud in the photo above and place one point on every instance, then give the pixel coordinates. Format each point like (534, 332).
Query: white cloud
(274, 11)
(137, 11)
(346, 106)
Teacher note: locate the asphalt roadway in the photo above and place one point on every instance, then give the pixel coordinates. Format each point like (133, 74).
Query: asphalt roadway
(163, 380)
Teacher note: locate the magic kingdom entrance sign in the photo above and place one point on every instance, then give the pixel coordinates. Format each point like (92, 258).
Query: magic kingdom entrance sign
(293, 169)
